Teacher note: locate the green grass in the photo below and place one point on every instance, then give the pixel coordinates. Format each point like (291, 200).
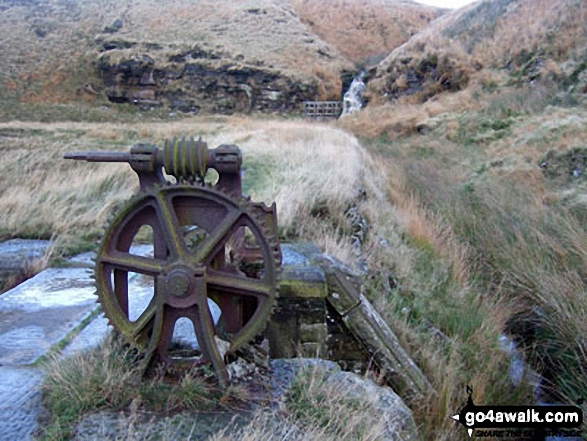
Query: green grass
(317, 405)
(13, 109)
(110, 378)
(530, 254)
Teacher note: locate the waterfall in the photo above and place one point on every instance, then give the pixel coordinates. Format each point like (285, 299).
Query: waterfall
(353, 98)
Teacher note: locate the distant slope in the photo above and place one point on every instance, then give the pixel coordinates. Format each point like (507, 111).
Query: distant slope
(52, 48)
(195, 55)
(365, 31)
(490, 40)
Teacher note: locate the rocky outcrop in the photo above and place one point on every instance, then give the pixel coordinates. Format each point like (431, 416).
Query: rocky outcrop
(197, 79)
(422, 77)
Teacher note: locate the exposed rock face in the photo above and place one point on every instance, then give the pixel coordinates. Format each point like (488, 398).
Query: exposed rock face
(424, 77)
(487, 37)
(197, 79)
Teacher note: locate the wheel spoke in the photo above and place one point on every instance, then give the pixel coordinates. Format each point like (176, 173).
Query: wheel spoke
(170, 226)
(156, 333)
(130, 262)
(215, 239)
(205, 333)
(236, 284)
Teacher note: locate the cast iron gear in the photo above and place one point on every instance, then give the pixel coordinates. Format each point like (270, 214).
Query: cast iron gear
(198, 233)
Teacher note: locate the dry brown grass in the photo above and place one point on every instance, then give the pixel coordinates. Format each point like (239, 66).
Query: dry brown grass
(364, 30)
(50, 51)
(544, 38)
(403, 117)
(73, 200)
(475, 200)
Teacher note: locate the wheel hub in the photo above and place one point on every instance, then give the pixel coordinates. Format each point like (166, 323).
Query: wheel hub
(178, 283)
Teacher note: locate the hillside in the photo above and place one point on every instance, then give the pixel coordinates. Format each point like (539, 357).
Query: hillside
(190, 57)
(367, 30)
(481, 120)
(490, 44)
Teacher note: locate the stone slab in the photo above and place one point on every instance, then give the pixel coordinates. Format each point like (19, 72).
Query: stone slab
(301, 254)
(293, 256)
(140, 294)
(303, 282)
(344, 292)
(89, 337)
(84, 260)
(87, 259)
(20, 402)
(42, 311)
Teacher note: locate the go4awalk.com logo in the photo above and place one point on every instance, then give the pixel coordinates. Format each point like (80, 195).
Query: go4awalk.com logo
(516, 421)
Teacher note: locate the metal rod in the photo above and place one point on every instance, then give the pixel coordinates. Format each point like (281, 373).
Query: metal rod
(101, 156)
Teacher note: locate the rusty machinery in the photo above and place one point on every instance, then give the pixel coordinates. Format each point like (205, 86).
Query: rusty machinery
(209, 242)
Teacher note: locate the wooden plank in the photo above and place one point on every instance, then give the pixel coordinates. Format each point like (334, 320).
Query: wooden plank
(374, 334)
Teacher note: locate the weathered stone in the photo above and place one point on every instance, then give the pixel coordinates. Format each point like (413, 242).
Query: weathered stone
(313, 333)
(284, 371)
(201, 79)
(344, 327)
(293, 255)
(40, 312)
(392, 412)
(308, 310)
(342, 346)
(90, 337)
(311, 349)
(385, 406)
(301, 254)
(84, 260)
(343, 293)
(305, 281)
(185, 105)
(114, 27)
(20, 402)
(283, 330)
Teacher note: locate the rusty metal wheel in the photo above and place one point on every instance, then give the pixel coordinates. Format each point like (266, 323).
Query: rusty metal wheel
(193, 228)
